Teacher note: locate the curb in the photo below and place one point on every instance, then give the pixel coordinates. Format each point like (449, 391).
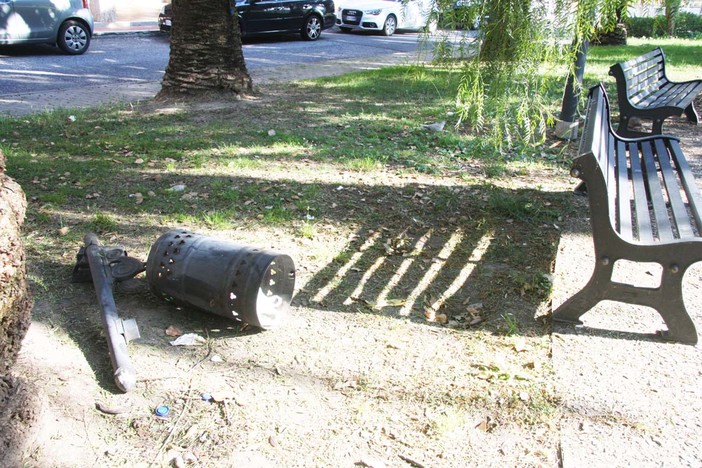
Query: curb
(125, 27)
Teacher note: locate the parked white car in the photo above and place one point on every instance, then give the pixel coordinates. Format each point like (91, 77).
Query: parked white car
(385, 16)
(67, 24)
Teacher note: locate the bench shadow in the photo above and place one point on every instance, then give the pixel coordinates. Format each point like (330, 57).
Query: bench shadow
(584, 330)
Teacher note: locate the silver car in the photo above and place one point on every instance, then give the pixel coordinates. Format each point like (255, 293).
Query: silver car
(67, 24)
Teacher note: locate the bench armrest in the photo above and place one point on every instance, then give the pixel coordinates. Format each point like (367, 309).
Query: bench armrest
(643, 139)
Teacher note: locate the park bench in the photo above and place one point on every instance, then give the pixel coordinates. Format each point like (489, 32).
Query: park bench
(645, 207)
(644, 91)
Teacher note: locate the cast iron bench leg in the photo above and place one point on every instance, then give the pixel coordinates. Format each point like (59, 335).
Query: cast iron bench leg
(691, 114)
(667, 300)
(671, 306)
(587, 298)
(623, 128)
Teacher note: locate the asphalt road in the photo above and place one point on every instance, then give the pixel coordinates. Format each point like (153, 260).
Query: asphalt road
(140, 58)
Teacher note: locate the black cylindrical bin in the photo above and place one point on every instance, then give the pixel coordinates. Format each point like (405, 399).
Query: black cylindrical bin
(221, 277)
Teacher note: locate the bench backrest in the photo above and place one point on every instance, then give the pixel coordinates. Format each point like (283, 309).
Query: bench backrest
(641, 76)
(651, 194)
(598, 141)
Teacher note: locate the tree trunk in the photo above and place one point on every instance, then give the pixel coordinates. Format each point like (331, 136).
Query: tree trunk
(19, 401)
(206, 52)
(672, 7)
(15, 302)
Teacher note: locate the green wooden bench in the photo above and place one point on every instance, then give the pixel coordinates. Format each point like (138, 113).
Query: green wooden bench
(645, 206)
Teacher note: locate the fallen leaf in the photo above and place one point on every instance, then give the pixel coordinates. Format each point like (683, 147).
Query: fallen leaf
(189, 339)
(173, 331)
(273, 440)
(223, 395)
(112, 410)
(346, 384)
(520, 347)
(395, 302)
(177, 188)
(64, 230)
(533, 365)
(483, 425)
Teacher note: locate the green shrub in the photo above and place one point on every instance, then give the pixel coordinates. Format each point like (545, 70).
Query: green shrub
(639, 26)
(687, 26)
(644, 26)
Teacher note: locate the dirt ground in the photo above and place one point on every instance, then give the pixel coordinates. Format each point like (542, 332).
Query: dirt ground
(404, 346)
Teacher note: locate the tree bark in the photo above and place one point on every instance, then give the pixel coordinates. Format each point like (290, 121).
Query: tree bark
(206, 52)
(15, 301)
(672, 8)
(19, 399)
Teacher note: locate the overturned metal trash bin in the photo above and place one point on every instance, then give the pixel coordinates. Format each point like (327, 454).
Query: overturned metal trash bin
(221, 277)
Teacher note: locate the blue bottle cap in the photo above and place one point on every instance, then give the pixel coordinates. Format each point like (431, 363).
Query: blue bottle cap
(162, 410)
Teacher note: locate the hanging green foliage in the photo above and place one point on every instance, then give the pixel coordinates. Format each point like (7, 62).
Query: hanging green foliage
(522, 44)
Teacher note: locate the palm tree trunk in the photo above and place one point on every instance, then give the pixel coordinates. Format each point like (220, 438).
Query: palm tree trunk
(206, 51)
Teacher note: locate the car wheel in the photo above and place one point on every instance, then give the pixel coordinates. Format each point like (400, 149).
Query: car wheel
(312, 28)
(73, 38)
(390, 25)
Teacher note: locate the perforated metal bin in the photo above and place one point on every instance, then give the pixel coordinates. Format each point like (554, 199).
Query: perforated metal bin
(221, 277)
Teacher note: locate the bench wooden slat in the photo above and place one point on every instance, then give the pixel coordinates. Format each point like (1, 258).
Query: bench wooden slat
(611, 175)
(643, 219)
(678, 95)
(657, 52)
(643, 72)
(624, 226)
(687, 180)
(673, 94)
(641, 93)
(648, 96)
(677, 206)
(636, 76)
(655, 193)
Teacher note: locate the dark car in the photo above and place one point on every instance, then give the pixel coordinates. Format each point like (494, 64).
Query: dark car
(257, 17)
